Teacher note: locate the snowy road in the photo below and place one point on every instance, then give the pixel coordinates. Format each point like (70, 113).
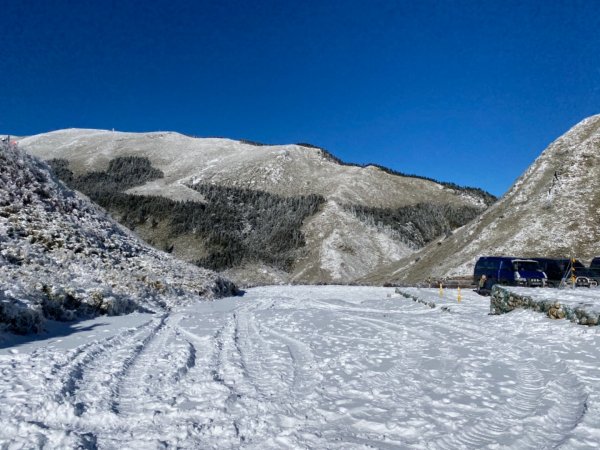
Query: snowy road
(309, 367)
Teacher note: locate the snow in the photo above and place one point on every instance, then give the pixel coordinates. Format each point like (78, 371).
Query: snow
(341, 258)
(68, 335)
(62, 257)
(588, 298)
(287, 170)
(309, 367)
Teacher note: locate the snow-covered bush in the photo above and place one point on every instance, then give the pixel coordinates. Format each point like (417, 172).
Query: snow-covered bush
(19, 317)
(64, 258)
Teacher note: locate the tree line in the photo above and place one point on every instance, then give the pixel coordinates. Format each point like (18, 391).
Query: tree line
(419, 224)
(237, 225)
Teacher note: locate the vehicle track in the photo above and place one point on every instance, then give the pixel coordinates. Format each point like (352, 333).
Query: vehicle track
(547, 395)
(539, 381)
(95, 379)
(292, 372)
(65, 404)
(148, 377)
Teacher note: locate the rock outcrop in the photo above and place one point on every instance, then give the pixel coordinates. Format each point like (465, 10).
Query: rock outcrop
(504, 300)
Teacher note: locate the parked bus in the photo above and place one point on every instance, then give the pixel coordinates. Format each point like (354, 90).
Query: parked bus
(508, 271)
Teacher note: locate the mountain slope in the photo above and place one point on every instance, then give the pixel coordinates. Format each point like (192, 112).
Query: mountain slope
(553, 209)
(337, 245)
(279, 169)
(62, 257)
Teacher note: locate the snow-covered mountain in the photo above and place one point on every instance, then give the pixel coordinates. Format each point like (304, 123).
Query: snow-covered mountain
(338, 245)
(62, 256)
(553, 209)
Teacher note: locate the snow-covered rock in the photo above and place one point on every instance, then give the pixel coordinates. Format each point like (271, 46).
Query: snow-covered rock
(579, 305)
(62, 257)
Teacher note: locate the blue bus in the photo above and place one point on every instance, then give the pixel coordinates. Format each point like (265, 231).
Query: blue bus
(508, 270)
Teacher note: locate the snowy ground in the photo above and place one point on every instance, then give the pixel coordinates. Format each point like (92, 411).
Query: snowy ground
(308, 367)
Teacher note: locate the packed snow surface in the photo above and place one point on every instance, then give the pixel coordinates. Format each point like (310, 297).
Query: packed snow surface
(308, 367)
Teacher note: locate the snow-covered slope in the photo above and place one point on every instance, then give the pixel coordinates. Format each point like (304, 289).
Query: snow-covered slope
(62, 257)
(279, 169)
(287, 170)
(553, 209)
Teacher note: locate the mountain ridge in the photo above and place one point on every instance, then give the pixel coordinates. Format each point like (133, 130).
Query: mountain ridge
(329, 254)
(100, 162)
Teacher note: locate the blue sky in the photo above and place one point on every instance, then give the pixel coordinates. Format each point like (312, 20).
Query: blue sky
(463, 91)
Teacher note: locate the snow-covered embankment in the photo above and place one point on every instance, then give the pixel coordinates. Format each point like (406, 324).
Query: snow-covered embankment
(579, 305)
(64, 258)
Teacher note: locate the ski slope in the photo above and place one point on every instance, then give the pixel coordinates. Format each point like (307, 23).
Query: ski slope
(307, 367)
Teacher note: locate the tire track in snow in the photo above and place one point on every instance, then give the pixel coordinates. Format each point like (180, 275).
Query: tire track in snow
(444, 381)
(97, 376)
(536, 403)
(248, 409)
(364, 424)
(409, 341)
(150, 376)
(519, 419)
(265, 369)
(72, 372)
(304, 377)
(172, 396)
(268, 383)
(60, 415)
(531, 386)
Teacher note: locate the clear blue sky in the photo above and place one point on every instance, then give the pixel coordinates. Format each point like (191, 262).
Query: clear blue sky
(462, 91)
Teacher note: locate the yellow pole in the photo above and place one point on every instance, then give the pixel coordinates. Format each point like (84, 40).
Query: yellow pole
(573, 277)
(441, 290)
(459, 297)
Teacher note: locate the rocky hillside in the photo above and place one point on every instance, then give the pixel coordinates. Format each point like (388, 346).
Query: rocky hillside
(62, 257)
(553, 209)
(342, 220)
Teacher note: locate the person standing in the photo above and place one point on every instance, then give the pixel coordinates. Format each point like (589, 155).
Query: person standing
(482, 282)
